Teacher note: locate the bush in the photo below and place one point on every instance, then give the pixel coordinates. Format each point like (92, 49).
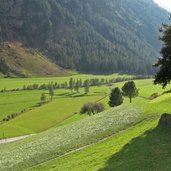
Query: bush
(92, 108)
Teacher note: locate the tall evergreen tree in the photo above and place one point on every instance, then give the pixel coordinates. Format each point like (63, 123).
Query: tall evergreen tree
(115, 98)
(163, 76)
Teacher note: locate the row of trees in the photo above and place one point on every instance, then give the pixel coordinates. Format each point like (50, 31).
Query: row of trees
(74, 85)
(129, 90)
(116, 98)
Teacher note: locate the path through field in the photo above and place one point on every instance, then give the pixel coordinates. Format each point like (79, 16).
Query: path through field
(8, 140)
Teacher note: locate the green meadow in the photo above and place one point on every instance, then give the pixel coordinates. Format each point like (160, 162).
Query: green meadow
(66, 140)
(11, 83)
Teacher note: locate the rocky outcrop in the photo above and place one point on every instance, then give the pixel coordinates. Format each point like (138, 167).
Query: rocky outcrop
(165, 120)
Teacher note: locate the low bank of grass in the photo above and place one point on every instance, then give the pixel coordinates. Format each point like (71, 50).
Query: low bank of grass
(105, 155)
(58, 141)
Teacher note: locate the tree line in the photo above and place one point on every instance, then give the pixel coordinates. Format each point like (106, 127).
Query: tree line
(74, 84)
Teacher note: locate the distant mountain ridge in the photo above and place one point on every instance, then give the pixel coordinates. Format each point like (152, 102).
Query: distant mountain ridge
(97, 36)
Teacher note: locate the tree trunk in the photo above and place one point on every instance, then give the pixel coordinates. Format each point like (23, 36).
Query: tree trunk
(130, 98)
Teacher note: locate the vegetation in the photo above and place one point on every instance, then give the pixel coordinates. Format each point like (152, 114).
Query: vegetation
(115, 98)
(51, 92)
(92, 108)
(19, 61)
(90, 37)
(66, 138)
(86, 86)
(36, 119)
(86, 36)
(43, 98)
(59, 118)
(129, 89)
(90, 129)
(164, 74)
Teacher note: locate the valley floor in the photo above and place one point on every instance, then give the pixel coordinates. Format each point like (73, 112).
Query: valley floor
(123, 138)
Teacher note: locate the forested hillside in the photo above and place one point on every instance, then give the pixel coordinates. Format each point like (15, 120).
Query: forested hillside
(97, 36)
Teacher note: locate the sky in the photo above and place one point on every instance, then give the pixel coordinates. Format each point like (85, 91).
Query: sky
(164, 3)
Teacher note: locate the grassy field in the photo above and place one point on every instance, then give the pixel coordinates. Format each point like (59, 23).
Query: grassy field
(101, 156)
(146, 143)
(14, 102)
(39, 119)
(69, 130)
(67, 138)
(64, 106)
(9, 83)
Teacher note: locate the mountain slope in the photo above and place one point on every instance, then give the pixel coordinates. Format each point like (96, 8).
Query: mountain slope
(19, 61)
(100, 36)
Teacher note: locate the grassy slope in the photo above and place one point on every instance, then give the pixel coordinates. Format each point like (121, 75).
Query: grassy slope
(23, 61)
(140, 142)
(141, 147)
(101, 155)
(67, 138)
(90, 130)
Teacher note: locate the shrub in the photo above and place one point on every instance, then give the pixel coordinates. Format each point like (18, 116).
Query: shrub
(92, 108)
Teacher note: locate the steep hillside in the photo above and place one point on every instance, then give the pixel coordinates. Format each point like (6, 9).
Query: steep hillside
(19, 61)
(89, 36)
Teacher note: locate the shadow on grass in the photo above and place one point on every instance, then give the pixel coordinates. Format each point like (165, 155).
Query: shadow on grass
(149, 152)
(63, 94)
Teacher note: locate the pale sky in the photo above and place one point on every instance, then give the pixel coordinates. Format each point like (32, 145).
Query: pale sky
(164, 3)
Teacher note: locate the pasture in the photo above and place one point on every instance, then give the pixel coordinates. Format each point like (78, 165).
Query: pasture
(60, 125)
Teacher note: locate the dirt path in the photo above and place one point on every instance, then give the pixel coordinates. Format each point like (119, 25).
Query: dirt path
(8, 140)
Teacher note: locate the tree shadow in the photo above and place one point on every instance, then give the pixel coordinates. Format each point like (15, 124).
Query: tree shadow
(149, 152)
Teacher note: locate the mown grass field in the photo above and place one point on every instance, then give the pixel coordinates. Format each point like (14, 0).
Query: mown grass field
(47, 116)
(64, 106)
(71, 131)
(9, 83)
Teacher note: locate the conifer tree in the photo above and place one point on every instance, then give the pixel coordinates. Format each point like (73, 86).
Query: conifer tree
(115, 98)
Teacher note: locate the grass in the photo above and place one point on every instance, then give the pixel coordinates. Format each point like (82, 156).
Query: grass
(14, 102)
(47, 116)
(64, 106)
(66, 138)
(52, 114)
(72, 131)
(100, 156)
(73, 136)
(143, 146)
(9, 83)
